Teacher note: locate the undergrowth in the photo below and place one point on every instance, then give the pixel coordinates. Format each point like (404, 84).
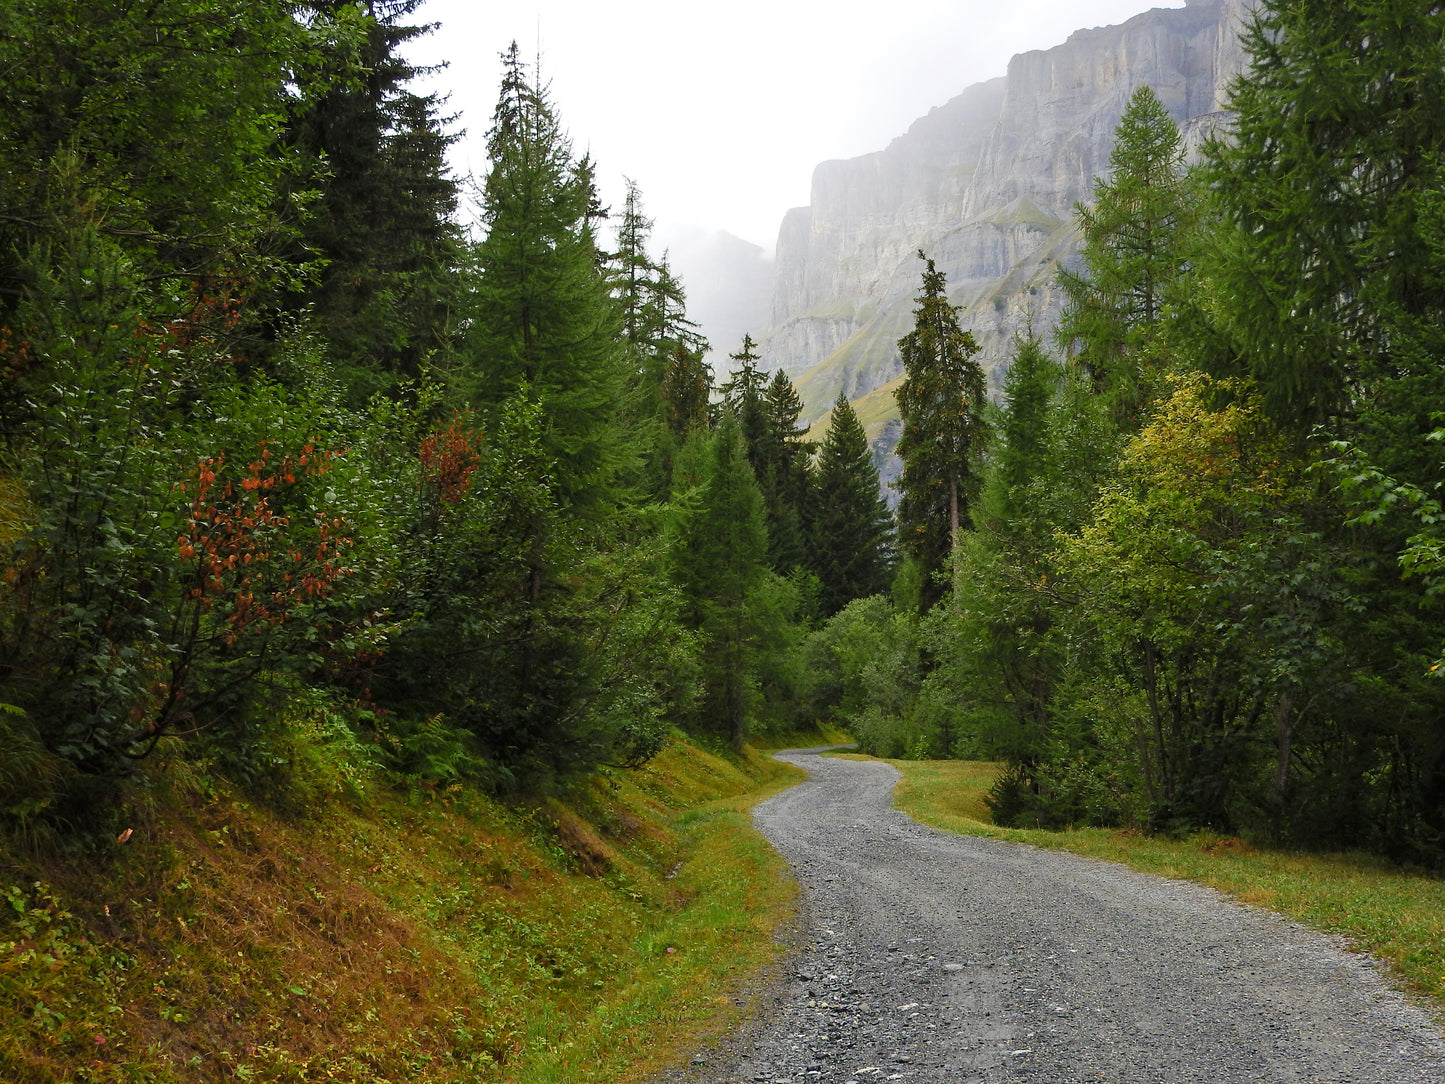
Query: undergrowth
(391, 936)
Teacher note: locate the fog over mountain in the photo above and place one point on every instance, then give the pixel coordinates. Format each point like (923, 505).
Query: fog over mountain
(985, 184)
(729, 283)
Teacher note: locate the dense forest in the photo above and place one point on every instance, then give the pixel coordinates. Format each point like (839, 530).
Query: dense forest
(301, 478)
(1196, 582)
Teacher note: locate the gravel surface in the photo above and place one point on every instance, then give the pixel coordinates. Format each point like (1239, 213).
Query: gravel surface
(929, 957)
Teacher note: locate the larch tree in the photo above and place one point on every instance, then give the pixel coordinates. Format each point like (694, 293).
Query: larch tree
(1339, 134)
(941, 402)
(1134, 237)
(1324, 278)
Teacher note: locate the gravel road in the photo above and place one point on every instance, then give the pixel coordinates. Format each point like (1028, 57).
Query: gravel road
(928, 957)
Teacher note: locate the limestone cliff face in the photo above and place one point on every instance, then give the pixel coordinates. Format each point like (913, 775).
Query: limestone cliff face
(986, 186)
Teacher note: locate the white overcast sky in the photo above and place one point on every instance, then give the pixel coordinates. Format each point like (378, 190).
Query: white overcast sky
(720, 111)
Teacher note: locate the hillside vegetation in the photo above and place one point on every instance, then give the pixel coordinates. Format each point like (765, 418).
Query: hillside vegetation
(433, 936)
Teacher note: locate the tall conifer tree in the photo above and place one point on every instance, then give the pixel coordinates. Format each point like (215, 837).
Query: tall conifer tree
(743, 395)
(851, 527)
(384, 226)
(543, 322)
(1134, 249)
(686, 390)
(720, 558)
(781, 464)
(1339, 133)
(546, 338)
(941, 402)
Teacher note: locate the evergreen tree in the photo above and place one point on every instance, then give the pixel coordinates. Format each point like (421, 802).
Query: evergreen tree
(719, 560)
(743, 395)
(185, 176)
(851, 528)
(1339, 132)
(384, 226)
(781, 464)
(543, 322)
(1325, 285)
(545, 331)
(686, 391)
(941, 403)
(652, 300)
(1134, 237)
(634, 270)
(1028, 391)
(668, 309)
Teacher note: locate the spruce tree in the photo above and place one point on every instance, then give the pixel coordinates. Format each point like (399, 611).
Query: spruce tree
(1028, 392)
(686, 391)
(720, 557)
(743, 395)
(383, 229)
(633, 268)
(851, 529)
(780, 462)
(545, 339)
(941, 403)
(543, 321)
(1134, 236)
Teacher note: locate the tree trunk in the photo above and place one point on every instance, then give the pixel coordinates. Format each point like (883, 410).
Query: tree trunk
(1284, 714)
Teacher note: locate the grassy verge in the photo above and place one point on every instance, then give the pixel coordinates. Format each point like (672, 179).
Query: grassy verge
(444, 938)
(1380, 909)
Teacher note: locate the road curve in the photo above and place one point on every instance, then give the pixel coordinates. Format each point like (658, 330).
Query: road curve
(931, 958)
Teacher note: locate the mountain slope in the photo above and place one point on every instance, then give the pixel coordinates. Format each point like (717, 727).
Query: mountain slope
(986, 186)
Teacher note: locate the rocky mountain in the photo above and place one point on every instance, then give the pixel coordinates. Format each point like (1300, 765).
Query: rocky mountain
(986, 186)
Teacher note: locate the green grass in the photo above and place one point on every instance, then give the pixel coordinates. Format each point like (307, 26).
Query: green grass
(1394, 914)
(447, 938)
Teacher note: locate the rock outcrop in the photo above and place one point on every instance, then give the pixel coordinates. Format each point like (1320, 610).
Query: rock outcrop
(986, 186)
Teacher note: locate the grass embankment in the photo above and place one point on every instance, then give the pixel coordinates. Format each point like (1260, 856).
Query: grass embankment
(1379, 908)
(447, 938)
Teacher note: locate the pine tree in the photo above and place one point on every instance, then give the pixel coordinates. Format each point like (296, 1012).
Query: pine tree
(851, 527)
(941, 403)
(1133, 251)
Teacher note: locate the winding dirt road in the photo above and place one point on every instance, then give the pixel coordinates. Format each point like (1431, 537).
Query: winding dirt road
(936, 958)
